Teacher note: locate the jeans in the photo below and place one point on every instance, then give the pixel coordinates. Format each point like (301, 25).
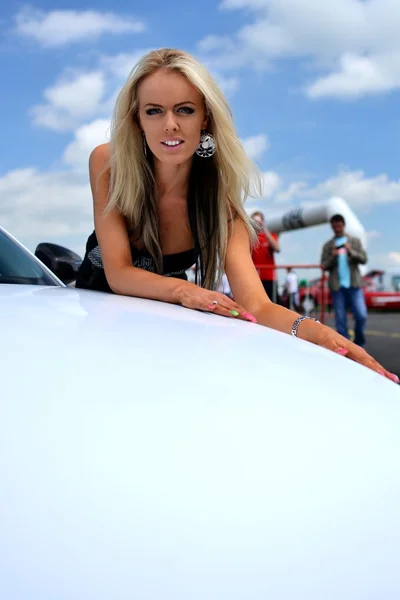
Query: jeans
(353, 299)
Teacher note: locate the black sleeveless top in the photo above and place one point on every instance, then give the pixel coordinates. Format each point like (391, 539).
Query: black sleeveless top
(91, 274)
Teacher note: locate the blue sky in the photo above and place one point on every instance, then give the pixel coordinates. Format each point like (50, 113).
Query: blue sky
(314, 88)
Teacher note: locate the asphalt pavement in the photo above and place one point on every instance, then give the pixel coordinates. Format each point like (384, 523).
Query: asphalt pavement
(383, 338)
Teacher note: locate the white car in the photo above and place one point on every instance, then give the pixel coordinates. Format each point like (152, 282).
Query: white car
(151, 452)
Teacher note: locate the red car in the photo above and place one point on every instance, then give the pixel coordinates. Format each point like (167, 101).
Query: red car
(375, 295)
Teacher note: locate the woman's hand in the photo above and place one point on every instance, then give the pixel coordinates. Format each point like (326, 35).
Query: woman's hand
(330, 339)
(192, 296)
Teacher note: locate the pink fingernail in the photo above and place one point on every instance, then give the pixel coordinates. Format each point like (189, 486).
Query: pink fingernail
(394, 377)
(250, 317)
(381, 372)
(342, 351)
(211, 306)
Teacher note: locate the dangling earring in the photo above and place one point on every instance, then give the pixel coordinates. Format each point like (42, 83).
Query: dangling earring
(144, 145)
(207, 146)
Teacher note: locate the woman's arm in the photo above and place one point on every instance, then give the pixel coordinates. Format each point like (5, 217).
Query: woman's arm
(248, 291)
(247, 288)
(112, 235)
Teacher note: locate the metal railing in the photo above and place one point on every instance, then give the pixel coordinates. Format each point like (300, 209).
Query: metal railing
(319, 292)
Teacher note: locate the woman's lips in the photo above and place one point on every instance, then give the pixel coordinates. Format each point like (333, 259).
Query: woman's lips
(173, 147)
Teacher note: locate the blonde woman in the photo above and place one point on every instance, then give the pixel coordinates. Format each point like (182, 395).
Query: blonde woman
(168, 193)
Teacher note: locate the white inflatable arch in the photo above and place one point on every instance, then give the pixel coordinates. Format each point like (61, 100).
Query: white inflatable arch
(308, 215)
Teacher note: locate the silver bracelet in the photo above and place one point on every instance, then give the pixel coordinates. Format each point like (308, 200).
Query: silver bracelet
(297, 322)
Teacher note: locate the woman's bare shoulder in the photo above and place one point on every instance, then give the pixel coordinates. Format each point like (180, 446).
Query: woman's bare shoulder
(100, 155)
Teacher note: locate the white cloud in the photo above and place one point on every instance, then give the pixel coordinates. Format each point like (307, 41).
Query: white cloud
(229, 85)
(254, 4)
(78, 96)
(62, 27)
(256, 145)
(389, 261)
(358, 76)
(271, 183)
(88, 136)
(357, 189)
(354, 46)
(373, 235)
(292, 191)
(54, 205)
(394, 258)
(120, 65)
(75, 97)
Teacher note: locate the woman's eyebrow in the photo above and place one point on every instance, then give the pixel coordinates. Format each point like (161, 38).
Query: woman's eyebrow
(160, 105)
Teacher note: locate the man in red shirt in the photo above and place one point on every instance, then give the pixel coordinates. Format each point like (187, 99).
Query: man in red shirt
(263, 254)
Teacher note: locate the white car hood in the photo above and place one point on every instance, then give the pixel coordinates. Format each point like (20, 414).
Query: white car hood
(154, 452)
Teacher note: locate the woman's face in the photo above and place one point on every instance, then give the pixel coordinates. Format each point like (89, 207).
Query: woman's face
(171, 115)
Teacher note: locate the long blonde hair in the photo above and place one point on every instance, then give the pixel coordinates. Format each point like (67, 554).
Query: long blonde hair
(218, 185)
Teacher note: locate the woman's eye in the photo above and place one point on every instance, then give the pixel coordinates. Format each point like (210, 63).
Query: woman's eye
(187, 110)
(152, 111)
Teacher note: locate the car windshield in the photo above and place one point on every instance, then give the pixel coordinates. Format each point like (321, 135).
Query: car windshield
(18, 266)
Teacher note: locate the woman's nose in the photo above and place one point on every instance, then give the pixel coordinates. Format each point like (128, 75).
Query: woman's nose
(170, 123)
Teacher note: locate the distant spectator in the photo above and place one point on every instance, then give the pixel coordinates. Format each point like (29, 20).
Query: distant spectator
(341, 256)
(292, 288)
(263, 256)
